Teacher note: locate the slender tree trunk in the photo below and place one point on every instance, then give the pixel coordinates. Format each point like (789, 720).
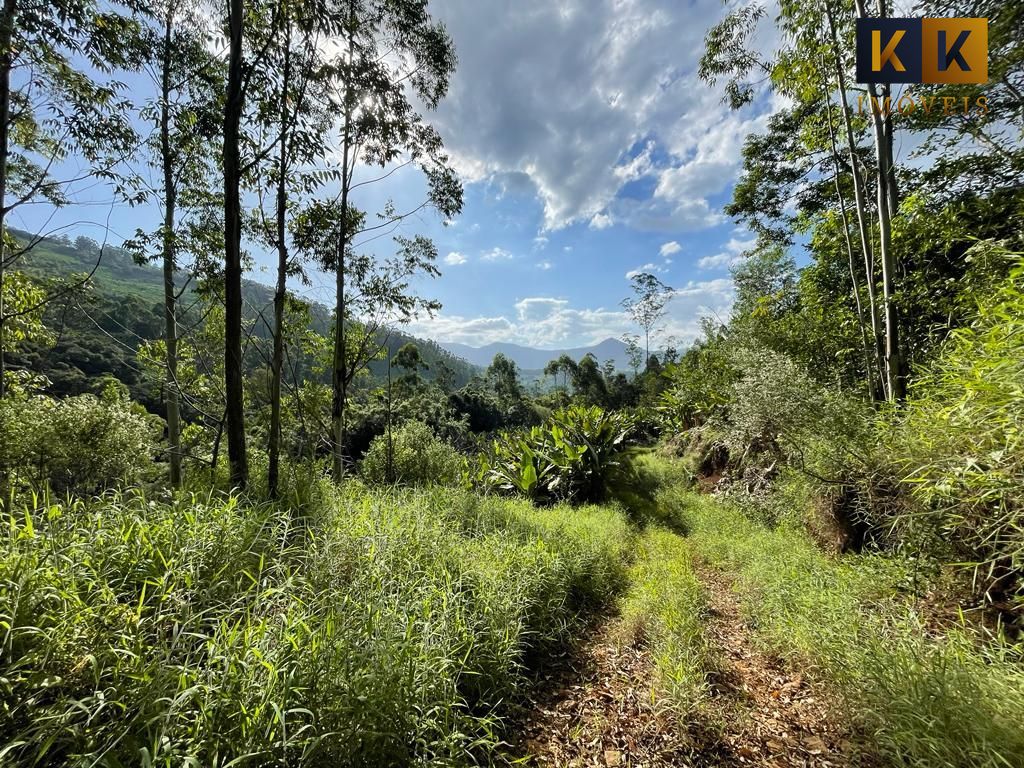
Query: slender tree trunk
(860, 200)
(340, 373)
(233, 386)
(391, 444)
(277, 359)
(896, 383)
(869, 369)
(169, 260)
(6, 60)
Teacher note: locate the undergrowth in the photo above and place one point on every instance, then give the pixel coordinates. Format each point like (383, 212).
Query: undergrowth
(381, 628)
(665, 607)
(927, 696)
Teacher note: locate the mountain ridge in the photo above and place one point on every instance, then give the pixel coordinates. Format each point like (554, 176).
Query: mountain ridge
(533, 358)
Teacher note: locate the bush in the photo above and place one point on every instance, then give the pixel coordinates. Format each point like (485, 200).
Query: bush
(418, 458)
(569, 457)
(81, 444)
(960, 442)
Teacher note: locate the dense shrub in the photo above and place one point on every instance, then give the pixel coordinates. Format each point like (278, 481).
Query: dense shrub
(569, 457)
(82, 444)
(417, 458)
(960, 443)
(388, 628)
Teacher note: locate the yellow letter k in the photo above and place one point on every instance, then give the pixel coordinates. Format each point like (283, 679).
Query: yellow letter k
(880, 57)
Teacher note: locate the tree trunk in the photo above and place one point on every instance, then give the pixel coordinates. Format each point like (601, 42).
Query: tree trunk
(860, 200)
(869, 369)
(170, 312)
(896, 383)
(391, 444)
(339, 378)
(277, 359)
(233, 386)
(6, 60)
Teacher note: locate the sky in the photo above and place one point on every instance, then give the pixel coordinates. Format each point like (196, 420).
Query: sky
(589, 150)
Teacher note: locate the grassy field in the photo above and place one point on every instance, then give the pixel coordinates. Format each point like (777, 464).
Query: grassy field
(385, 627)
(927, 693)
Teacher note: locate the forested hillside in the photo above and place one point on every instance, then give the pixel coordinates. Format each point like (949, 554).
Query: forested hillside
(245, 529)
(100, 325)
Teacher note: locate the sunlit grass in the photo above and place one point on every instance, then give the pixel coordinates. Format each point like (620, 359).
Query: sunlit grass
(379, 628)
(925, 699)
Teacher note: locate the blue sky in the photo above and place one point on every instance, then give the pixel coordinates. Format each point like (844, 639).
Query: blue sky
(588, 148)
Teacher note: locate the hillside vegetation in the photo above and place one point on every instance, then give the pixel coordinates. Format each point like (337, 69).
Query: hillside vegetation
(239, 529)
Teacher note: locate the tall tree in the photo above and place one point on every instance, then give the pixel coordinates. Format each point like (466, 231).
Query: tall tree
(182, 148)
(233, 387)
(647, 306)
(301, 126)
(887, 206)
(391, 53)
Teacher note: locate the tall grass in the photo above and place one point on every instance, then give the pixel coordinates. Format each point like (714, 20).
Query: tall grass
(665, 607)
(382, 628)
(928, 697)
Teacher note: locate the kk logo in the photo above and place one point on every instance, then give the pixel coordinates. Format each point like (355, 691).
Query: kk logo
(922, 50)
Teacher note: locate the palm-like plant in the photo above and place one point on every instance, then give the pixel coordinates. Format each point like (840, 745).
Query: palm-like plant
(565, 459)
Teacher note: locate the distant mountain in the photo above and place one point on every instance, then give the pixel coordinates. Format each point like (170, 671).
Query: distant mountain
(531, 359)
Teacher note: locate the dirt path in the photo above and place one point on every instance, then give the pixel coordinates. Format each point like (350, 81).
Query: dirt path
(594, 706)
(596, 709)
(769, 715)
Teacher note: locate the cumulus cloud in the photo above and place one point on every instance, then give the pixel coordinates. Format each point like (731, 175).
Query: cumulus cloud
(669, 248)
(551, 322)
(455, 258)
(496, 254)
(544, 265)
(730, 255)
(649, 268)
(577, 99)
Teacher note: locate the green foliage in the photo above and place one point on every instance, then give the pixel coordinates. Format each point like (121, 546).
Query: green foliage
(82, 444)
(417, 458)
(927, 698)
(566, 458)
(386, 629)
(959, 442)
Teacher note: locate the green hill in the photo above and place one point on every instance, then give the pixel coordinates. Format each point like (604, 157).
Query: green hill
(99, 328)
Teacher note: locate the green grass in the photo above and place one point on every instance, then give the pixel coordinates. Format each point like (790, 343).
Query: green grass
(665, 607)
(925, 698)
(382, 628)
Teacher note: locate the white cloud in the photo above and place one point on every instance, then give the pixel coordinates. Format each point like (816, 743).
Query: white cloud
(669, 248)
(455, 258)
(600, 221)
(544, 265)
(603, 100)
(496, 254)
(549, 322)
(730, 255)
(649, 268)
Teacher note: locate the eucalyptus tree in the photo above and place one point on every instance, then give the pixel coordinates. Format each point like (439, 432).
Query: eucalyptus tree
(52, 105)
(393, 55)
(298, 121)
(182, 147)
(647, 306)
